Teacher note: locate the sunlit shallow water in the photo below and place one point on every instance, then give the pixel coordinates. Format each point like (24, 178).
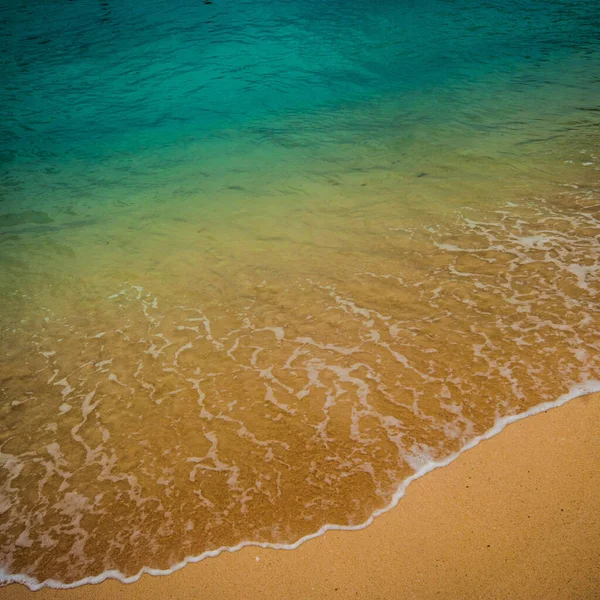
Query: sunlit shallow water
(261, 263)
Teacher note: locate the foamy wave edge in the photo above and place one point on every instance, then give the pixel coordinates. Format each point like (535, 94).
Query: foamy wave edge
(576, 391)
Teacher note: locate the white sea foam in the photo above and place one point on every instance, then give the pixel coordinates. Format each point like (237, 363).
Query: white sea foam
(33, 584)
(395, 367)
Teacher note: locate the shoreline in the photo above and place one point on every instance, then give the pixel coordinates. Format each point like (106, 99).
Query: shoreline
(188, 579)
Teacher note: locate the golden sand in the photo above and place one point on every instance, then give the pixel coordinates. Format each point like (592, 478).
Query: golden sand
(517, 517)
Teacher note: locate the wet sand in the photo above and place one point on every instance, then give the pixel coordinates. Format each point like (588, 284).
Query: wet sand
(516, 517)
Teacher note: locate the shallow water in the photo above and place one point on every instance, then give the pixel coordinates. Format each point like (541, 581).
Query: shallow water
(262, 263)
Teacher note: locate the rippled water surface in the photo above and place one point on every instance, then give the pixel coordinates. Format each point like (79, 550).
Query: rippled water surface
(261, 262)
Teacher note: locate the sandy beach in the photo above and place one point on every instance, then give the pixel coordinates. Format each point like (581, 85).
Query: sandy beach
(516, 517)
(270, 270)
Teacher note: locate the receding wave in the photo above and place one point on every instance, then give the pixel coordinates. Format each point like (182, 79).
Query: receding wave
(157, 428)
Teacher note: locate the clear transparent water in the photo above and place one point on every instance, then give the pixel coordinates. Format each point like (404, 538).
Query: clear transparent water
(260, 262)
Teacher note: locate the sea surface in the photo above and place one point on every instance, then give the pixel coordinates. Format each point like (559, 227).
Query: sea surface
(262, 263)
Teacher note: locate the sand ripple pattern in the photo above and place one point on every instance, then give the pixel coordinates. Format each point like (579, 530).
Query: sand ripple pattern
(153, 430)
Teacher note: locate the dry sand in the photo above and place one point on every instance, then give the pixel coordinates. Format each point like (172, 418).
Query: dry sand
(518, 517)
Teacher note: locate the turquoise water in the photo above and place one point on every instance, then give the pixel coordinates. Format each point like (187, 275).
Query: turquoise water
(263, 263)
(106, 100)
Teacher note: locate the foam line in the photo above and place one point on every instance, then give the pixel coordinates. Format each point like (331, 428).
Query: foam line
(576, 391)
